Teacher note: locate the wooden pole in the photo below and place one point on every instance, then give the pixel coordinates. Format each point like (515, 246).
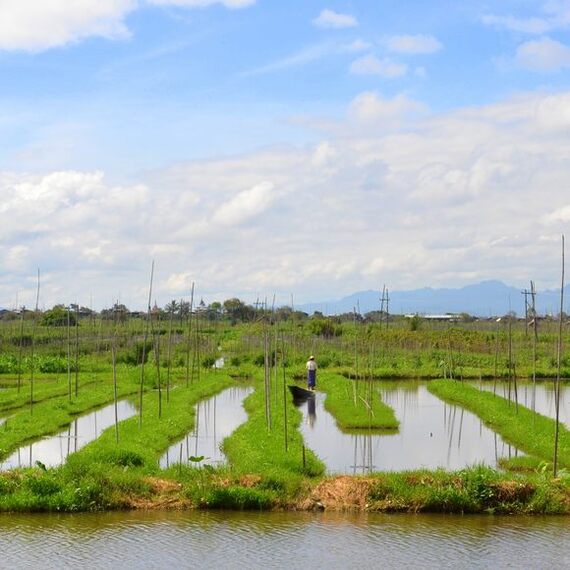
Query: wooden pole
(559, 360)
(145, 338)
(32, 365)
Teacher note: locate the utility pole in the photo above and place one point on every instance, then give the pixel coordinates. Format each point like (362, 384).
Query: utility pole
(384, 307)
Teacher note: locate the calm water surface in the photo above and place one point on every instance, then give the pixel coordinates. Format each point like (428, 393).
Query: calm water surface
(539, 397)
(216, 418)
(281, 540)
(432, 434)
(54, 450)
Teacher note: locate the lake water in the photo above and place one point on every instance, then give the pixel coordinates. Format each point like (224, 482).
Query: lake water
(151, 540)
(432, 434)
(216, 418)
(539, 397)
(54, 450)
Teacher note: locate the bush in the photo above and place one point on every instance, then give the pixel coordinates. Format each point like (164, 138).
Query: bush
(134, 355)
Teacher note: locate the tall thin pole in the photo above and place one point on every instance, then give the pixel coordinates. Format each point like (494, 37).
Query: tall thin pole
(32, 365)
(145, 338)
(189, 334)
(559, 359)
(284, 392)
(68, 355)
(76, 349)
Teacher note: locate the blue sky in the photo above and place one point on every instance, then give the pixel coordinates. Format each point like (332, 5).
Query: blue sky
(296, 147)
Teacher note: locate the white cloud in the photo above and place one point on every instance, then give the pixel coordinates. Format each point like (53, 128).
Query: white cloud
(245, 205)
(358, 45)
(544, 54)
(437, 201)
(554, 15)
(232, 4)
(34, 25)
(371, 108)
(419, 44)
(525, 25)
(371, 65)
(331, 19)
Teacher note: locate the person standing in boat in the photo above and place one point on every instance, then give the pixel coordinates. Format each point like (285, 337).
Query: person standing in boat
(311, 373)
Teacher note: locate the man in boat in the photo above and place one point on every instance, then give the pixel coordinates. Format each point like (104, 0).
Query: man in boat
(311, 373)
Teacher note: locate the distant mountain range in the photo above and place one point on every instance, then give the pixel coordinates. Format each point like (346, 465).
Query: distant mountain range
(485, 299)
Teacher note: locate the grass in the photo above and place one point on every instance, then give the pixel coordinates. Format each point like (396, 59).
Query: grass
(530, 432)
(354, 404)
(260, 473)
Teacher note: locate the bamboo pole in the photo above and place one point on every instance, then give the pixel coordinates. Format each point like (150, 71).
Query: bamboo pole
(68, 355)
(189, 334)
(559, 361)
(76, 349)
(145, 338)
(21, 349)
(284, 392)
(32, 365)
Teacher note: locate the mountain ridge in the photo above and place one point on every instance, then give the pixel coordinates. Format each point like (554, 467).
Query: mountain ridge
(484, 299)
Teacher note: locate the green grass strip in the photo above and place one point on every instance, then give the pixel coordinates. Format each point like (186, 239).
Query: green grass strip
(50, 416)
(530, 432)
(148, 442)
(44, 389)
(355, 404)
(254, 448)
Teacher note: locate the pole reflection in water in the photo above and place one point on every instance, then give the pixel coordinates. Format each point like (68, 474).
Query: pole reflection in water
(432, 434)
(539, 397)
(54, 450)
(216, 418)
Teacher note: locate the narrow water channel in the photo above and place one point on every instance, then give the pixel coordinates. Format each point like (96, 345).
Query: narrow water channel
(216, 419)
(432, 434)
(54, 450)
(539, 397)
(221, 539)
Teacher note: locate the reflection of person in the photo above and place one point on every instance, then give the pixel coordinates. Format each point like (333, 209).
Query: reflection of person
(311, 373)
(311, 411)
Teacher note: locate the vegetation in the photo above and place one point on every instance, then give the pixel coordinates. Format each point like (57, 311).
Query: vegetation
(268, 465)
(354, 405)
(531, 432)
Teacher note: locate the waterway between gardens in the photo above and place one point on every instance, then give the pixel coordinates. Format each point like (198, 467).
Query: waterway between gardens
(54, 450)
(151, 540)
(539, 397)
(216, 418)
(432, 434)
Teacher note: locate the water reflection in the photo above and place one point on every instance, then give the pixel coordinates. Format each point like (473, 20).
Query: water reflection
(216, 418)
(538, 397)
(264, 540)
(432, 434)
(54, 450)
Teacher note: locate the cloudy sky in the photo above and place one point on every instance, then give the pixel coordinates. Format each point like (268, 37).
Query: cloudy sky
(300, 147)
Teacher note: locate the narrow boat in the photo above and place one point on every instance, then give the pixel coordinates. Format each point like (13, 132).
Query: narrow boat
(301, 394)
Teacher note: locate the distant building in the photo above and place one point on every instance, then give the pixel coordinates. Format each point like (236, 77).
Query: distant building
(448, 317)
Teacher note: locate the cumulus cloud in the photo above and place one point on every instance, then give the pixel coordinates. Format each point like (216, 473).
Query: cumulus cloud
(371, 65)
(36, 25)
(418, 44)
(466, 195)
(371, 108)
(331, 19)
(525, 25)
(31, 25)
(245, 205)
(552, 15)
(232, 4)
(544, 54)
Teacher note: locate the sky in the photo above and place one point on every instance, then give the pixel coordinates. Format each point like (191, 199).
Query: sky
(305, 149)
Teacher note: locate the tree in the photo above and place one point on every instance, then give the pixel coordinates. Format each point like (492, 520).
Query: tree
(58, 316)
(237, 310)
